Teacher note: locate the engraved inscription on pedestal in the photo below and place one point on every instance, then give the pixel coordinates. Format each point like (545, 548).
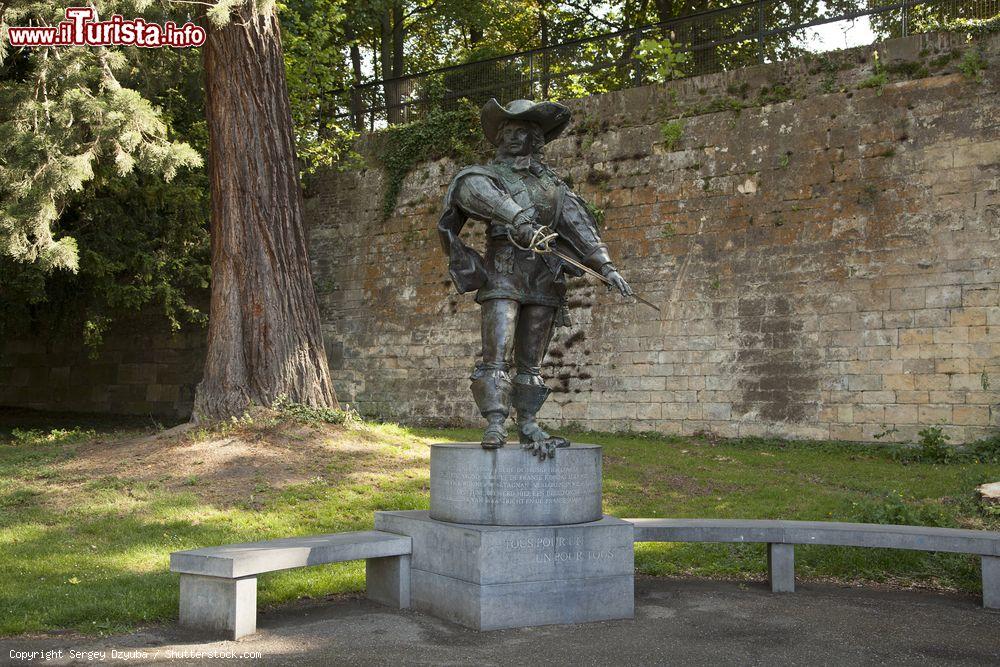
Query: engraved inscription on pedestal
(556, 550)
(512, 485)
(509, 486)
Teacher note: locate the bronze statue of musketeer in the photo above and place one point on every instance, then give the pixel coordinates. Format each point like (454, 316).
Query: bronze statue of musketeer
(521, 288)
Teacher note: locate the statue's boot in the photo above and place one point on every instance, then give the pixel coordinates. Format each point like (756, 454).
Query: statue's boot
(492, 390)
(528, 399)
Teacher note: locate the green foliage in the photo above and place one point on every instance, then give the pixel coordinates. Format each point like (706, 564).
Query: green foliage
(64, 121)
(981, 26)
(142, 241)
(720, 104)
(973, 64)
(596, 213)
(774, 94)
(439, 134)
(671, 132)
(895, 509)
(932, 448)
(93, 333)
(132, 212)
(933, 445)
(909, 69)
(35, 437)
(986, 450)
(879, 76)
(828, 67)
(662, 58)
(885, 432)
(316, 68)
(308, 414)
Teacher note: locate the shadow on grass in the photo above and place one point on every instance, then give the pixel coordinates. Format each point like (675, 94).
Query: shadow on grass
(102, 565)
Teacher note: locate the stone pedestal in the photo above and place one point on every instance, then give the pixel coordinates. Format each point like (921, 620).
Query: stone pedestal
(511, 541)
(510, 487)
(493, 577)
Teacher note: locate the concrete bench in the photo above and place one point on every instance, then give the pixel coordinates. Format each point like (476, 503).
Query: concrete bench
(781, 536)
(219, 584)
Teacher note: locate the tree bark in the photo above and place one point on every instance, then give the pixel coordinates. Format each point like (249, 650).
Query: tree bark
(264, 337)
(543, 21)
(391, 46)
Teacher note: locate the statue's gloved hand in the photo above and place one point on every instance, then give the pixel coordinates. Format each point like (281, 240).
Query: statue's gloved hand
(524, 233)
(617, 281)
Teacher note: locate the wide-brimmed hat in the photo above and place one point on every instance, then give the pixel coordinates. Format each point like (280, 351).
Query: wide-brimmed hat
(552, 117)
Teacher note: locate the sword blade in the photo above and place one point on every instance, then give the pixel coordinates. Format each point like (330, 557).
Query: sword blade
(588, 270)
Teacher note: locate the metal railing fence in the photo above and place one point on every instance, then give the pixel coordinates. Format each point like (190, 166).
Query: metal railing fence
(715, 40)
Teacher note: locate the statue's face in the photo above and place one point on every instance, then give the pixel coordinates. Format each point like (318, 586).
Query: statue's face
(515, 139)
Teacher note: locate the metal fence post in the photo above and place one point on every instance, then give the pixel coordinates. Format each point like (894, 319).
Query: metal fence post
(531, 76)
(760, 31)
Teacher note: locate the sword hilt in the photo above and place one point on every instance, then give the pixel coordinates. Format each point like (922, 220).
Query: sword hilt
(540, 242)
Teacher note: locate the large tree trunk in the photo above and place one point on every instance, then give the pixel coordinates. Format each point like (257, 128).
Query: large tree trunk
(391, 45)
(543, 21)
(264, 335)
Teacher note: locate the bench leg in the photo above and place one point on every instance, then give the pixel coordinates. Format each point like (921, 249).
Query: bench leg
(388, 580)
(781, 567)
(991, 582)
(226, 607)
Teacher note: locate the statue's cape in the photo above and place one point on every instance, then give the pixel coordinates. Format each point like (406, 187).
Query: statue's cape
(577, 230)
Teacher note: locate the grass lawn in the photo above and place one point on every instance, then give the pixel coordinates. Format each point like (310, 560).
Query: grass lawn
(88, 517)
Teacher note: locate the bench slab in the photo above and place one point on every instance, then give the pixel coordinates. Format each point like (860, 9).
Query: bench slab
(219, 584)
(919, 538)
(234, 561)
(781, 536)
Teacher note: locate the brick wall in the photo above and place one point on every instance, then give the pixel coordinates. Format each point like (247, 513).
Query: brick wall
(827, 257)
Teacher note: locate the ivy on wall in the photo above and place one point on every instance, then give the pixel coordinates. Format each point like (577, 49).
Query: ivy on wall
(399, 148)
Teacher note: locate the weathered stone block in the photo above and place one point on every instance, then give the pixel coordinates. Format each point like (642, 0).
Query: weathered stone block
(387, 580)
(781, 567)
(971, 415)
(219, 606)
(491, 577)
(934, 414)
(991, 582)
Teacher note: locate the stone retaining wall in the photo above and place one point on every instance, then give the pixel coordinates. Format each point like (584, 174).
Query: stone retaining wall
(141, 369)
(826, 253)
